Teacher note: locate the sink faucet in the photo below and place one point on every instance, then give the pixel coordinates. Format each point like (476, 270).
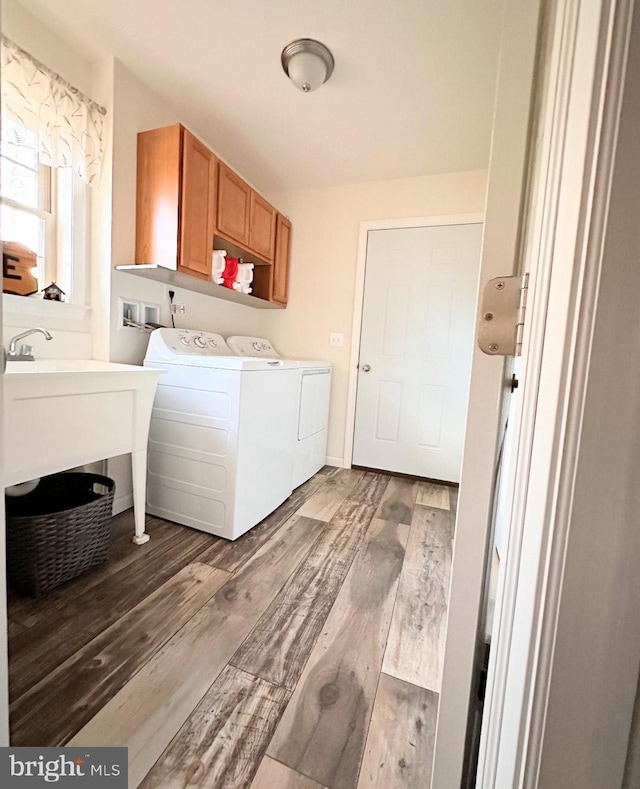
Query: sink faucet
(26, 351)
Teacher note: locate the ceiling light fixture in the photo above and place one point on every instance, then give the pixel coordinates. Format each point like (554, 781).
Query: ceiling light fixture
(307, 63)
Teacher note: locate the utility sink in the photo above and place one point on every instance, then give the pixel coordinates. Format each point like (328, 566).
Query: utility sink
(63, 413)
(47, 366)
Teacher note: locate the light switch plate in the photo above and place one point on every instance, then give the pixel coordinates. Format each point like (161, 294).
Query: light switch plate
(336, 339)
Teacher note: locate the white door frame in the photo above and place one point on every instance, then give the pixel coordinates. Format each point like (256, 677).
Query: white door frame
(501, 256)
(562, 205)
(535, 690)
(358, 302)
(543, 623)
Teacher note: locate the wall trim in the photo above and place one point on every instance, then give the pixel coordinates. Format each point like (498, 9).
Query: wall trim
(358, 301)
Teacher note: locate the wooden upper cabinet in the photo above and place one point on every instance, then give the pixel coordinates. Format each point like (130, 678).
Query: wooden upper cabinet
(262, 227)
(280, 274)
(158, 196)
(175, 201)
(234, 206)
(187, 201)
(198, 207)
(243, 216)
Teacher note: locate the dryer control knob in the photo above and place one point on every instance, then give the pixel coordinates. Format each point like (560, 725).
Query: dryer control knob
(184, 340)
(200, 342)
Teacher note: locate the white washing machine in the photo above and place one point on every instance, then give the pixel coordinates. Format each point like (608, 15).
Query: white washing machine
(221, 435)
(312, 410)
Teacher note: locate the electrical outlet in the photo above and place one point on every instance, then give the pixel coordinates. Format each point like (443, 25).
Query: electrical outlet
(336, 339)
(178, 309)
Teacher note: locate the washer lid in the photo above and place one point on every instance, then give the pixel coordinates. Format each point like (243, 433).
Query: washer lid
(259, 347)
(252, 346)
(167, 344)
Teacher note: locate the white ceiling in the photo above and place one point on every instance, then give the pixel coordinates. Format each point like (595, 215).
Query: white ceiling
(411, 93)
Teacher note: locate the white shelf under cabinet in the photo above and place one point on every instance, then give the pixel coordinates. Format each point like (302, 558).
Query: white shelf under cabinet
(186, 281)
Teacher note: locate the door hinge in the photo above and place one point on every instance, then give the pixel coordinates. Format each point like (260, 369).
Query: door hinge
(501, 326)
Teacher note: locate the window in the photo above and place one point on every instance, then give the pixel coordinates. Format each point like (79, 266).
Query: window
(51, 151)
(28, 214)
(43, 208)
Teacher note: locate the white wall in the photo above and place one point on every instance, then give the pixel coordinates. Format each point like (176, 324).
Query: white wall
(28, 32)
(69, 325)
(326, 225)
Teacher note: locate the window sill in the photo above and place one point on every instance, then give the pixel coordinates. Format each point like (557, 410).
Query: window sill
(41, 308)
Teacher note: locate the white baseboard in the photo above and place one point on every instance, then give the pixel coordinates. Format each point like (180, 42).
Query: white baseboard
(339, 462)
(122, 503)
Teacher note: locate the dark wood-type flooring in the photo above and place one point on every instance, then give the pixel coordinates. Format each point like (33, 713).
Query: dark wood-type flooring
(306, 654)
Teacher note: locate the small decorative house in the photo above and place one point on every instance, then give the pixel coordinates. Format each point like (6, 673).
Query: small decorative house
(53, 293)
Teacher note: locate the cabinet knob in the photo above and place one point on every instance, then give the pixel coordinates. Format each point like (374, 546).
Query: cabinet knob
(365, 368)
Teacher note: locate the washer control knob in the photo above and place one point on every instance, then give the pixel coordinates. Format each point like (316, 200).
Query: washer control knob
(200, 342)
(184, 340)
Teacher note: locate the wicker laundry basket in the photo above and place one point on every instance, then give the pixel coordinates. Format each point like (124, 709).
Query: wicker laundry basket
(58, 531)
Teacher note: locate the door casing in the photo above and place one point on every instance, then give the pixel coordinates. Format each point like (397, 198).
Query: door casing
(501, 253)
(557, 714)
(553, 716)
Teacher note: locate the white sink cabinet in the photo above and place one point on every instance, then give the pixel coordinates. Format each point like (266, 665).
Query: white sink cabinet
(59, 414)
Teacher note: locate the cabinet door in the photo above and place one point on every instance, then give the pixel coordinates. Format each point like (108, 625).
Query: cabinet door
(280, 278)
(197, 208)
(234, 201)
(262, 227)
(158, 196)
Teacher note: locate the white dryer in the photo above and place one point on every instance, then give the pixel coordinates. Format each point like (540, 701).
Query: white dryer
(221, 435)
(312, 409)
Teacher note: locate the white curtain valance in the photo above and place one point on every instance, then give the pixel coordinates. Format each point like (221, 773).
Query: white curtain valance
(70, 127)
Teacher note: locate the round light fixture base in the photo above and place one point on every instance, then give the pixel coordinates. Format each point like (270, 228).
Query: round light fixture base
(308, 63)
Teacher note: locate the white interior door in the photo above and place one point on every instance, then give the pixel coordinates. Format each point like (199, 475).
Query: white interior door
(415, 348)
